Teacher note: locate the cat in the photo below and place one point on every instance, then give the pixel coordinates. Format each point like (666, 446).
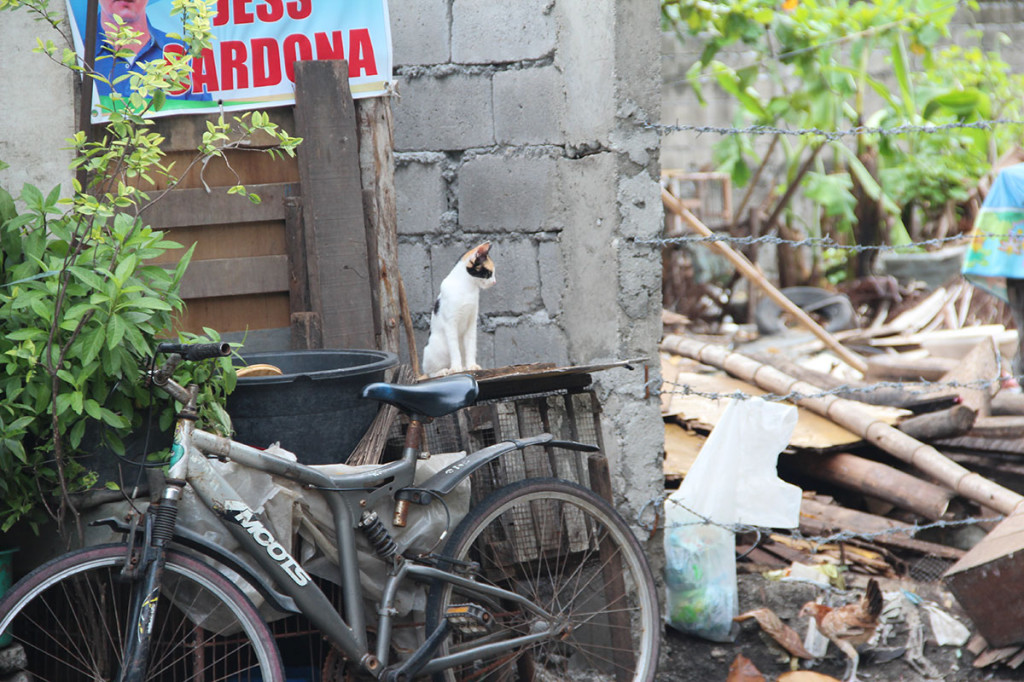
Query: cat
(451, 346)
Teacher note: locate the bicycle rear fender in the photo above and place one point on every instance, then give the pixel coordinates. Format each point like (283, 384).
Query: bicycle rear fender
(443, 482)
(196, 542)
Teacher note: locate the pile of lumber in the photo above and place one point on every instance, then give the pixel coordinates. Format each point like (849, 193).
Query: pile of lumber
(925, 433)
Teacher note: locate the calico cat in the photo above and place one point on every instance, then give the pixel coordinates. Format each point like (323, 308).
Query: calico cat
(451, 346)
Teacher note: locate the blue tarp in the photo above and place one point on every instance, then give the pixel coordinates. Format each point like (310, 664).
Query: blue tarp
(996, 251)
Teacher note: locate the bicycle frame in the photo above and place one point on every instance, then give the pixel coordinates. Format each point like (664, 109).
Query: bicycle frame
(189, 465)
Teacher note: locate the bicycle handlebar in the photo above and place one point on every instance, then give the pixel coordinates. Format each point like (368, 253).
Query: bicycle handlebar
(196, 351)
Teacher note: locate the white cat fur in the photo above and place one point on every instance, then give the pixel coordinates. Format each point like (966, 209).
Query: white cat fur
(451, 346)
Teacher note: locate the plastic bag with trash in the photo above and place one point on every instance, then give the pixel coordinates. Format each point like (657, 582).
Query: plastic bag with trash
(733, 481)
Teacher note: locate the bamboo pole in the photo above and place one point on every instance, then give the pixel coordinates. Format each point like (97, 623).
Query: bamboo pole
(875, 479)
(853, 416)
(744, 265)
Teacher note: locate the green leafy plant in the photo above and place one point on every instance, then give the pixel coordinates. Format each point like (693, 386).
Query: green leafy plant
(817, 65)
(81, 304)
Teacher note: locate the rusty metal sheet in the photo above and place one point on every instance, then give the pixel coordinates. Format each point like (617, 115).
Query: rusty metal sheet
(987, 583)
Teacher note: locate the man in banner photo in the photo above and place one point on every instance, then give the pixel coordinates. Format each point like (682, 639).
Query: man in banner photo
(995, 259)
(151, 44)
(256, 44)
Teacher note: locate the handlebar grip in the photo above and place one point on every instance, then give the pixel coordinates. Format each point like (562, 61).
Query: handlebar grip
(196, 351)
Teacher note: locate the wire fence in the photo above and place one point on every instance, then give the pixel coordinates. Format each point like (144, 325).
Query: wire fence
(921, 388)
(830, 135)
(652, 515)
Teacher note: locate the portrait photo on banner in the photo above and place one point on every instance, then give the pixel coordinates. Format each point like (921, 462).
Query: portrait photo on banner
(251, 63)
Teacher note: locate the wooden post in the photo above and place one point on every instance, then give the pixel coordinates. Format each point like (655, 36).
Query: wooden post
(336, 253)
(622, 656)
(375, 129)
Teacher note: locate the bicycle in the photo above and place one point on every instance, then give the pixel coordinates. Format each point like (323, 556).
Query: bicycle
(576, 600)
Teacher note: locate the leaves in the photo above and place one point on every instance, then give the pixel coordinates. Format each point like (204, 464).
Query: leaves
(811, 65)
(81, 304)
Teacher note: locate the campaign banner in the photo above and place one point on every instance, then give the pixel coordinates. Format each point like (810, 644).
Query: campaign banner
(251, 64)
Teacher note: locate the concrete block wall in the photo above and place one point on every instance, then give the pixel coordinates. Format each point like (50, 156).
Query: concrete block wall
(34, 132)
(521, 124)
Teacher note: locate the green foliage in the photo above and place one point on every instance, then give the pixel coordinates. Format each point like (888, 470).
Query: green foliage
(79, 307)
(818, 65)
(81, 304)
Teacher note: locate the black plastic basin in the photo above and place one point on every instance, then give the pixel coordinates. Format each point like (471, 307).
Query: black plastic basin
(313, 409)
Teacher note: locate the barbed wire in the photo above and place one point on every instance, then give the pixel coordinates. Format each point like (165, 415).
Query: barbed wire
(924, 388)
(909, 530)
(822, 242)
(830, 135)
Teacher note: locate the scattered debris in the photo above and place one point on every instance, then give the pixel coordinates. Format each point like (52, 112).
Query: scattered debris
(743, 670)
(908, 446)
(785, 636)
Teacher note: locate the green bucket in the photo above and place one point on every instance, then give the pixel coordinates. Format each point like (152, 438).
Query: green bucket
(6, 578)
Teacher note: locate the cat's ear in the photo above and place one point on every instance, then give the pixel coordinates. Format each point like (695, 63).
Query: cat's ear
(480, 252)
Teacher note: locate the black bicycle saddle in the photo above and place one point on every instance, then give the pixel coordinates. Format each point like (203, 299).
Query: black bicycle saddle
(434, 398)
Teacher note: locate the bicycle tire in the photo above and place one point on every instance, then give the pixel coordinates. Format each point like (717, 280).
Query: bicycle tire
(561, 544)
(70, 615)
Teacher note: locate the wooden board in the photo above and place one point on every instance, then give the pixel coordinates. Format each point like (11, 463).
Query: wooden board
(336, 254)
(812, 431)
(238, 281)
(681, 449)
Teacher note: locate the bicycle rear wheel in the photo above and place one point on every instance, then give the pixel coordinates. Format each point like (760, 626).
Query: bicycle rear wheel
(71, 618)
(569, 551)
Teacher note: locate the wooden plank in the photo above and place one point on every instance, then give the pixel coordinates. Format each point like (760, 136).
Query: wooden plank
(907, 367)
(981, 364)
(339, 282)
(295, 247)
(236, 313)
(237, 240)
(614, 584)
(235, 277)
(196, 207)
(182, 134)
(812, 431)
(998, 427)
(681, 449)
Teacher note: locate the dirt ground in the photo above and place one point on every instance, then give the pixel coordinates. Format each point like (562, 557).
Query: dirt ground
(691, 659)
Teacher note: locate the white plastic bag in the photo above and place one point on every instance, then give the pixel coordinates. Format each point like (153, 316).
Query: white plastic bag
(733, 481)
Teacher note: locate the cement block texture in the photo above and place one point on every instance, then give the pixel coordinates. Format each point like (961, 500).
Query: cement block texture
(452, 112)
(517, 275)
(508, 193)
(528, 106)
(414, 264)
(552, 275)
(589, 247)
(536, 340)
(484, 31)
(37, 108)
(420, 31)
(422, 195)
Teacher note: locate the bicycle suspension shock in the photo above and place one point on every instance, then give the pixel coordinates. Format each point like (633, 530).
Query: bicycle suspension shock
(378, 535)
(165, 514)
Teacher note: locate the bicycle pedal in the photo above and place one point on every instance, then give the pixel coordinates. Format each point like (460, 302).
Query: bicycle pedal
(469, 619)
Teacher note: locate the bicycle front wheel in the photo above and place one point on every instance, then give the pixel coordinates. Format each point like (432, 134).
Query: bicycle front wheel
(71, 617)
(569, 551)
